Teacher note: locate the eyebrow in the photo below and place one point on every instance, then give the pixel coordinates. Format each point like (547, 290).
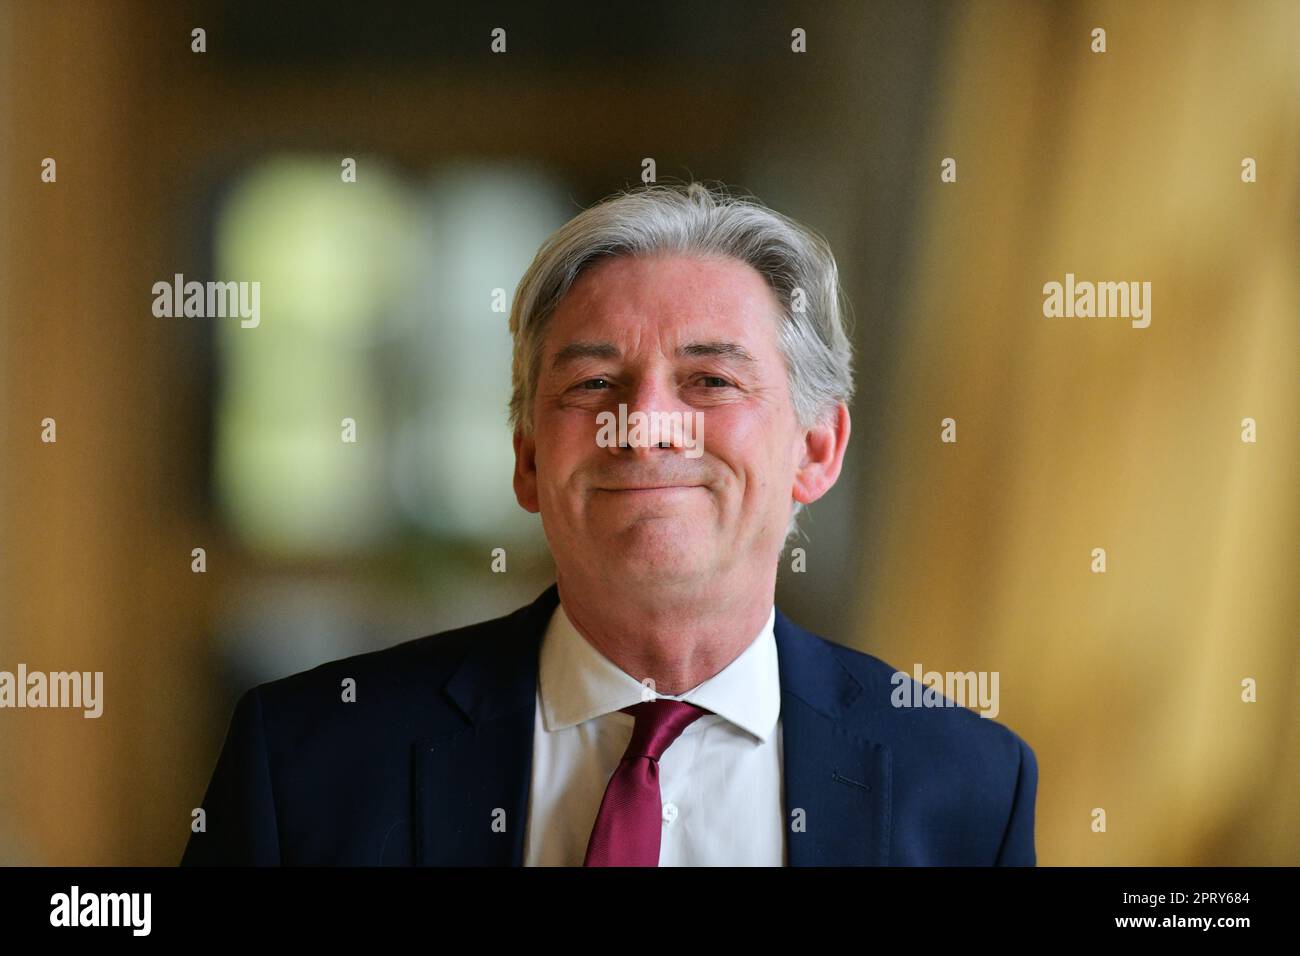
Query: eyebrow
(607, 350)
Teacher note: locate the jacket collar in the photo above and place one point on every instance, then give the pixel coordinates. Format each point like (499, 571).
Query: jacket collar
(471, 782)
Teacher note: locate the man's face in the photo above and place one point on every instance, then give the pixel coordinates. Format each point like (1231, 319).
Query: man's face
(663, 334)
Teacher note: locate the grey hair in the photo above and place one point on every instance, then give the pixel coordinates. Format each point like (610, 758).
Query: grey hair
(700, 220)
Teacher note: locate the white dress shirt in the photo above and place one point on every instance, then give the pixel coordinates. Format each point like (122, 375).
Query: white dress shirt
(720, 781)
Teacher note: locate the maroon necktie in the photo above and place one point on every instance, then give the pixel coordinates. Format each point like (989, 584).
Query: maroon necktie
(630, 821)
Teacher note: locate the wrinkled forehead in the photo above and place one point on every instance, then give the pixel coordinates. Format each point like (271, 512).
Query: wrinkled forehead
(668, 303)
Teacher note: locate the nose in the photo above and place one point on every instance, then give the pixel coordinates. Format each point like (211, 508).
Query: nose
(655, 413)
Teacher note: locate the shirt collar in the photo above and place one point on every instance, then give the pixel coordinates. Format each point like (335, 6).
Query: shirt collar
(577, 682)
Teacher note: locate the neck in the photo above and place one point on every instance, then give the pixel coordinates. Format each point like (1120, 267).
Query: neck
(676, 640)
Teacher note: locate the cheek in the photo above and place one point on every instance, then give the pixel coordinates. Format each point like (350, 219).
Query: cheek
(563, 444)
(751, 448)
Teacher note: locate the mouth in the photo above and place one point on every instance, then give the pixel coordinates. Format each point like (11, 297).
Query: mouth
(649, 489)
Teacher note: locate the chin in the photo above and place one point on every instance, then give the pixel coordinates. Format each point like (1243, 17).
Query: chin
(660, 549)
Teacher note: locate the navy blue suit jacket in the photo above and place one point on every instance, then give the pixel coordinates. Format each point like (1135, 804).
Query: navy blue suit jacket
(441, 735)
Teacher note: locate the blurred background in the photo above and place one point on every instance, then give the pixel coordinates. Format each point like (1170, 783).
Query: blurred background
(1073, 434)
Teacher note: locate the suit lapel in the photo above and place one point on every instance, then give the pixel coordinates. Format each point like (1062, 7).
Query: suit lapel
(837, 783)
(471, 783)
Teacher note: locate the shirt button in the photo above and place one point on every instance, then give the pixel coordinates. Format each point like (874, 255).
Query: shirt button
(670, 812)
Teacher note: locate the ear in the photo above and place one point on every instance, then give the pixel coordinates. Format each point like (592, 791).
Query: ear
(526, 471)
(823, 455)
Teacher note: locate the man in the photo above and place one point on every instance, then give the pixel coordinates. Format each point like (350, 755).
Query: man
(652, 707)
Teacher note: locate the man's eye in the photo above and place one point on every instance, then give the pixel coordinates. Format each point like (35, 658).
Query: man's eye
(589, 383)
(715, 381)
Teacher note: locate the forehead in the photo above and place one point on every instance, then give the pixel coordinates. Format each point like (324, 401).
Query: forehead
(667, 296)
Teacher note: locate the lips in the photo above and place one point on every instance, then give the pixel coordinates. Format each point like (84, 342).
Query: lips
(649, 487)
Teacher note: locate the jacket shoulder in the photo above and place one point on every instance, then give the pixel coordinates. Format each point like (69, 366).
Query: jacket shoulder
(965, 784)
(895, 700)
(392, 684)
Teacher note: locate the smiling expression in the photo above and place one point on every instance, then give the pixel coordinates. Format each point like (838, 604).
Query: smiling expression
(673, 334)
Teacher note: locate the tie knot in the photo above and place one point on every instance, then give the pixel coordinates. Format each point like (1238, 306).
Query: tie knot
(658, 723)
